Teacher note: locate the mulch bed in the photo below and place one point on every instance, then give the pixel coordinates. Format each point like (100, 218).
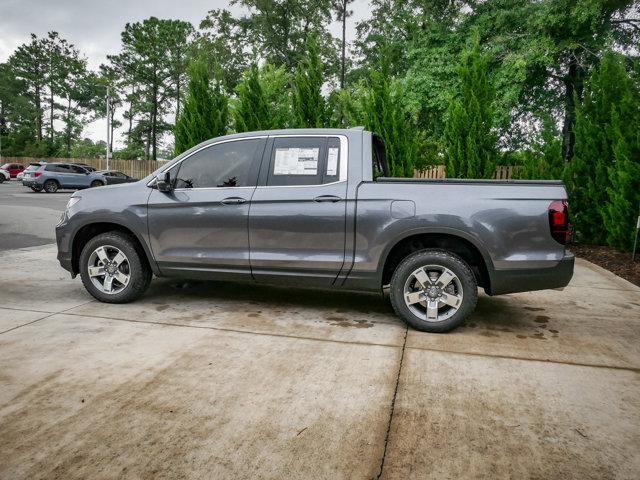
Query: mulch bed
(613, 260)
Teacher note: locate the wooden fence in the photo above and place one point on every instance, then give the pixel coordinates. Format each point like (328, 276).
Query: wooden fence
(142, 168)
(503, 172)
(133, 168)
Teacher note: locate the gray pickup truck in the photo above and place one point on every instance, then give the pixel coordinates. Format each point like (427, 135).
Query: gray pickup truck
(315, 208)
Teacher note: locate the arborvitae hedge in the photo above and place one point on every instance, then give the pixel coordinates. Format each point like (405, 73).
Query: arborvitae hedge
(205, 114)
(469, 138)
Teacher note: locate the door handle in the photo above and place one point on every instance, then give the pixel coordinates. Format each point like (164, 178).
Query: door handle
(327, 198)
(233, 201)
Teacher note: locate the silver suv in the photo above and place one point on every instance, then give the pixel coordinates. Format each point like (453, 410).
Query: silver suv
(52, 176)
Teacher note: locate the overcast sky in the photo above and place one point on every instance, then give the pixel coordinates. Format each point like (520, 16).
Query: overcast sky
(94, 27)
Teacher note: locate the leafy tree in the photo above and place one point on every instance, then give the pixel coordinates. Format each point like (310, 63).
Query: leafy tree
(223, 41)
(205, 113)
(394, 26)
(87, 148)
(606, 132)
(278, 30)
(384, 114)
(309, 107)
(16, 113)
(262, 100)
(540, 54)
(469, 137)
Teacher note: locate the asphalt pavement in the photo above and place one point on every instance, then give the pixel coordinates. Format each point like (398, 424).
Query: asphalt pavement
(28, 218)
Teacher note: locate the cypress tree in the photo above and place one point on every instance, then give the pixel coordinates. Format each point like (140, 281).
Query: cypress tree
(308, 103)
(469, 139)
(601, 173)
(205, 114)
(263, 101)
(251, 112)
(384, 114)
(623, 205)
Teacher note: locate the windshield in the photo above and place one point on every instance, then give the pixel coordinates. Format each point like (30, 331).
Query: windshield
(5, 166)
(32, 167)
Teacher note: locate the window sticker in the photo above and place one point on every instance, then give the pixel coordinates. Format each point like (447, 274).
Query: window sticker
(332, 161)
(296, 161)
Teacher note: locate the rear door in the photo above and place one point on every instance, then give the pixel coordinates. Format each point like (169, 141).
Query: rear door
(298, 211)
(201, 227)
(79, 177)
(62, 173)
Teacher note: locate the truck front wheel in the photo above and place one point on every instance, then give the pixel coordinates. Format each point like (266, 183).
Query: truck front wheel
(433, 291)
(112, 269)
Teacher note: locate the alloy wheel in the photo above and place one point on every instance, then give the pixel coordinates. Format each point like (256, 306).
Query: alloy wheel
(433, 293)
(109, 269)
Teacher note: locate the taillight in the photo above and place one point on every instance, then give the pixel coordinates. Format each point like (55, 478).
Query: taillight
(37, 174)
(559, 221)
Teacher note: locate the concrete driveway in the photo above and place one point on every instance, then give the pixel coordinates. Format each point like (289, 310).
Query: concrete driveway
(212, 380)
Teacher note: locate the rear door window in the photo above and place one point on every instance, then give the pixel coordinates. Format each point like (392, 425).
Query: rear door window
(297, 161)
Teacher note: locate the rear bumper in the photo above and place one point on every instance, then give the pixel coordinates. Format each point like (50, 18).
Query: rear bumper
(526, 280)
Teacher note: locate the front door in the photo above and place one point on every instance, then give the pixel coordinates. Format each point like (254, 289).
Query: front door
(201, 227)
(297, 216)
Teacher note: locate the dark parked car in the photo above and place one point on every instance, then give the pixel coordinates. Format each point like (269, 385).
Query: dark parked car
(13, 168)
(113, 177)
(316, 208)
(87, 167)
(52, 176)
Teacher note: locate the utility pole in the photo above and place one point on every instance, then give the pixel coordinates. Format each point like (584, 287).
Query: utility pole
(108, 129)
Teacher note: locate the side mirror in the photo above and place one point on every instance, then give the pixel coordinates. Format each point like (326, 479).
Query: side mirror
(163, 182)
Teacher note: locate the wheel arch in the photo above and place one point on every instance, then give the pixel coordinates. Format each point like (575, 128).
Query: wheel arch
(90, 230)
(451, 241)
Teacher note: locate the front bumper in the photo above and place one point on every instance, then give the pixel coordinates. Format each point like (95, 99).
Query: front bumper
(64, 242)
(525, 280)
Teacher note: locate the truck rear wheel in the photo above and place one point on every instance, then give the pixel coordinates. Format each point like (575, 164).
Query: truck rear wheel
(112, 270)
(433, 291)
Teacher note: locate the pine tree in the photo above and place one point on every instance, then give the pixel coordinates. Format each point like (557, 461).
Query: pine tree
(309, 106)
(605, 150)
(469, 139)
(384, 115)
(205, 113)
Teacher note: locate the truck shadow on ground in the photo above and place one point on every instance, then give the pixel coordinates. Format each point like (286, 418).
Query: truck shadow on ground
(494, 316)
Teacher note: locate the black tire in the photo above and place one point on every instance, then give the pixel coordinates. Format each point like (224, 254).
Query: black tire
(2, 179)
(51, 186)
(96, 183)
(36, 189)
(467, 283)
(139, 271)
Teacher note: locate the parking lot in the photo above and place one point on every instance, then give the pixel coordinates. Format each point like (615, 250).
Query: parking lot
(217, 380)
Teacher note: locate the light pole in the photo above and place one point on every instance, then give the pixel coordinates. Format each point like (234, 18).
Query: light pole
(108, 129)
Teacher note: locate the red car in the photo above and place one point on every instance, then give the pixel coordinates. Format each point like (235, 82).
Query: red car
(13, 168)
